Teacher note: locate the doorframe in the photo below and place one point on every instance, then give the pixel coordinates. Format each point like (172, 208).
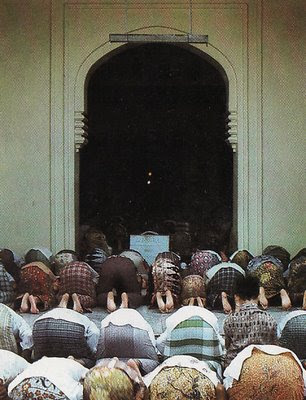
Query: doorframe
(68, 125)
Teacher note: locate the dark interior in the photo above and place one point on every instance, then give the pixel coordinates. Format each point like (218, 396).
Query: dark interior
(157, 153)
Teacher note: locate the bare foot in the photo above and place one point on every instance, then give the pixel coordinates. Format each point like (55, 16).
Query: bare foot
(169, 302)
(124, 300)
(201, 302)
(33, 302)
(76, 303)
(64, 301)
(286, 302)
(191, 301)
(24, 307)
(304, 301)
(160, 302)
(110, 305)
(225, 304)
(262, 298)
(220, 392)
(134, 365)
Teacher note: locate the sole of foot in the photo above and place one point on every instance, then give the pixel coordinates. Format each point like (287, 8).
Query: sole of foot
(33, 309)
(24, 307)
(76, 303)
(111, 305)
(201, 302)
(64, 301)
(169, 302)
(225, 304)
(124, 300)
(262, 298)
(286, 302)
(160, 302)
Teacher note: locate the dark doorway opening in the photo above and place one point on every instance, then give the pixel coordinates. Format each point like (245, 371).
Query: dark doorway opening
(157, 153)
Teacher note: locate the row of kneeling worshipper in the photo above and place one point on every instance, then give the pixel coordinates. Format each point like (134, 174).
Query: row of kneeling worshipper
(66, 356)
(41, 281)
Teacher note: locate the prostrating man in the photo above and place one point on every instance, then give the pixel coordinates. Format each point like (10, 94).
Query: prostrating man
(62, 332)
(11, 365)
(193, 331)
(50, 379)
(15, 333)
(127, 335)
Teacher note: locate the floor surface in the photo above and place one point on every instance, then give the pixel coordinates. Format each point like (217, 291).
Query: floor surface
(156, 319)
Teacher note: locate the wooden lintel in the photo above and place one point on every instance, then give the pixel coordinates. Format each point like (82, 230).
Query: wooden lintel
(167, 38)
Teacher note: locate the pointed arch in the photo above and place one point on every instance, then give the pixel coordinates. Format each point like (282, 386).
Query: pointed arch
(106, 50)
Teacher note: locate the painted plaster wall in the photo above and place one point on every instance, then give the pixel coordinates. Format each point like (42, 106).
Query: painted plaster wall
(86, 27)
(284, 124)
(24, 137)
(36, 110)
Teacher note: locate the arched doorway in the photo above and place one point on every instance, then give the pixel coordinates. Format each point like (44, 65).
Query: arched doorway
(157, 146)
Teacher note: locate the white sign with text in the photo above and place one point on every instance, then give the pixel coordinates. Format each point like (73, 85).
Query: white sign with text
(149, 245)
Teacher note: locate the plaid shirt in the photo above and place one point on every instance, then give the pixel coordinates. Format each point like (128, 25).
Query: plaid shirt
(77, 278)
(7, 293)
(59, 338)
(197, 338)
(223, 281)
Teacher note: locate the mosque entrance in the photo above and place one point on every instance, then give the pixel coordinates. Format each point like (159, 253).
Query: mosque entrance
(157, 156)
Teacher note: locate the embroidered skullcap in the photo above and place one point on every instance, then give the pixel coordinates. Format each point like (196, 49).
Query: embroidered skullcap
(103, 383)
(278, 252)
